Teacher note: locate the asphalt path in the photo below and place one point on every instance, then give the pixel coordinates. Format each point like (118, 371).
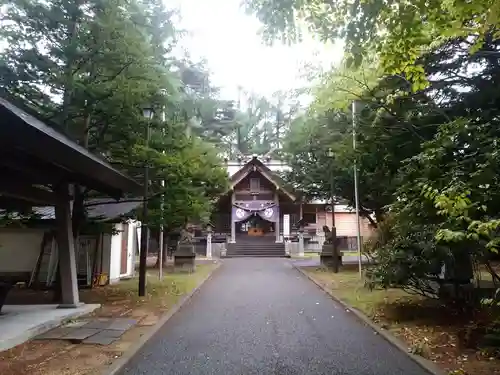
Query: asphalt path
(260, 316)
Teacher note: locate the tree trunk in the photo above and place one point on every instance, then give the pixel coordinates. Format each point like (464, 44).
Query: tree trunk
(164, 250)
(372, 222)
(367, 215)
(70, 51)
(379, 215)
(71, 57)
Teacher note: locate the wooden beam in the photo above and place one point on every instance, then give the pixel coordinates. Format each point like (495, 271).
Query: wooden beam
(28, 193)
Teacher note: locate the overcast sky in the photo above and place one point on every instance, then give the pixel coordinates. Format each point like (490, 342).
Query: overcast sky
(221, 33)
(228, 39)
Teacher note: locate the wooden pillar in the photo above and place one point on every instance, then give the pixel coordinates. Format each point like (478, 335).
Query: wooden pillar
(66, 250)
(233, 223)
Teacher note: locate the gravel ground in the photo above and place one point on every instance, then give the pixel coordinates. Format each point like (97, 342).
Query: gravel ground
(260, 316)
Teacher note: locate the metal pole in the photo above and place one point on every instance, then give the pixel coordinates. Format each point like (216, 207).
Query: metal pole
(332, 195)
(144, 229)
(356, 193)
(162, 208)
(160, 255)
(336, 251)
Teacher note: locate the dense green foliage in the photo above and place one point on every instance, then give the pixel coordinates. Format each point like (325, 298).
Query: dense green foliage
(398, 32)
(428, 160)
(89, 67)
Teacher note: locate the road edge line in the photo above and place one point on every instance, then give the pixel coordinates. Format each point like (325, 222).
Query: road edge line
(426, 364)
(120, 363)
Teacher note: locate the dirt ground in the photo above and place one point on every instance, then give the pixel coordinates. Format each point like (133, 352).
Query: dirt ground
(429, 329)
(58, 357)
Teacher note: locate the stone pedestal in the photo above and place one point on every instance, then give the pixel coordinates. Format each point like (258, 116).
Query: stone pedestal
(330, 258)
(209, 246)
(184, 258)
(301, 244)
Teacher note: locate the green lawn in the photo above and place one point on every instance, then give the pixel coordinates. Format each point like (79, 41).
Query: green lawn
(429, 328)
(165, 292)
(348, 287)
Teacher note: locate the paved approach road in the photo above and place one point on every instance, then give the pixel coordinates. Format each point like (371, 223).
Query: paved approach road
(260, 316)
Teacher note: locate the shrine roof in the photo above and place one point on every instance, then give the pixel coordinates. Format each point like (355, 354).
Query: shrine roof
(254, 164)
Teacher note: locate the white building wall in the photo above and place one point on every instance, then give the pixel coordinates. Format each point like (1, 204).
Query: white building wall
(130, 248)
(115, 254)
(133, 243)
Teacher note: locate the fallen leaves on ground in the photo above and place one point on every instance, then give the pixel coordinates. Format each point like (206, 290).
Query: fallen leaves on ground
(428, 328)
(59, 357)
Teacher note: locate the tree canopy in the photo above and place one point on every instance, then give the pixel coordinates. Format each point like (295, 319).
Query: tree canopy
(88, 68)
(398, 32)
(427, 159)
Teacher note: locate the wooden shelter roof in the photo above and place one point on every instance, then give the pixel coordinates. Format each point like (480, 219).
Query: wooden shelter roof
(35, 158)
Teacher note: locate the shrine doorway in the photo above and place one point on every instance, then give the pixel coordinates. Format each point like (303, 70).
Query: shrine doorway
(255, 227)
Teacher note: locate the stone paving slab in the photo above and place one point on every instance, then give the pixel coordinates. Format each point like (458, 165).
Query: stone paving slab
(57, 333)
(102, 331)
(112, 333)
(80, 333)
(102, 338)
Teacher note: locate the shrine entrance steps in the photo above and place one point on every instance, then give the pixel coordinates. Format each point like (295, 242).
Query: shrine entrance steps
(256, 247)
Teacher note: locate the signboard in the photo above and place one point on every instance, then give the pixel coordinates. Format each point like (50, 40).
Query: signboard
(286, 225)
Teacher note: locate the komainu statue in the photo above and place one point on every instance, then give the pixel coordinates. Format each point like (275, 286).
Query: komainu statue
(186, 237)
(328, 235)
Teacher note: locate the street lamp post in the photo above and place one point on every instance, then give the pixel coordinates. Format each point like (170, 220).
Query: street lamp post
(330, 155)
(336, 261)
(161, 244)
(162, 209)
(148, 114)
(356, 193)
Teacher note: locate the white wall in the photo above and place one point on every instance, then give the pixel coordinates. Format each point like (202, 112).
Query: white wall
(19, 249)
(112, 251)
(115, 254)
(130, 249)
(133, 242)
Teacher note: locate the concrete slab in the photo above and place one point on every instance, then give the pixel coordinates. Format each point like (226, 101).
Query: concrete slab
(55, 334)
(104, 337)
(111, 333)
(19, 323)
(80, 334)
(100, 339)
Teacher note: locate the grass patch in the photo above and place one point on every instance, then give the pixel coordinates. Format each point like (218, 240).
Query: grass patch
(160, 294)
(429, 328)
(348, 287)
(350, 253)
